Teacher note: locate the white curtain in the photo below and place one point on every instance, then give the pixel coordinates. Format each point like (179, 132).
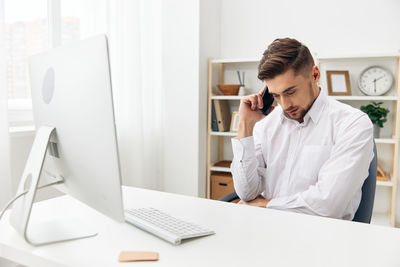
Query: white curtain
(135, 36)
(5, 176)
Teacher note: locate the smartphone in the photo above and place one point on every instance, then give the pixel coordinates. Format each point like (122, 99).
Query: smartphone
(268, 99)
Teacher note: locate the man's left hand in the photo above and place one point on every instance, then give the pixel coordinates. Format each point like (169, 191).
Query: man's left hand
(258, 202)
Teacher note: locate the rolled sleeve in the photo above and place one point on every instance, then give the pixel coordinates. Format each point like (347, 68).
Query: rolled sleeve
(246, 163)
(244, 148)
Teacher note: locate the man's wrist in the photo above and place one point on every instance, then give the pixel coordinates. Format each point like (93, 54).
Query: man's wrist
(258, 202)
(245, 129)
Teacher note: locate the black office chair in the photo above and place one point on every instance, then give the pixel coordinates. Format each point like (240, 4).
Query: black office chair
(364, 211)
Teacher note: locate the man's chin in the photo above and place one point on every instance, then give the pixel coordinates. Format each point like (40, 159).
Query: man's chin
(296, 116)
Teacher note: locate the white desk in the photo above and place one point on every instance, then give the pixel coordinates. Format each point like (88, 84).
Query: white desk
(245, 236)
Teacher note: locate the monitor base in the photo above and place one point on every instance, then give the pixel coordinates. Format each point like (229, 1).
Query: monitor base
(53, 231)
(35, 232)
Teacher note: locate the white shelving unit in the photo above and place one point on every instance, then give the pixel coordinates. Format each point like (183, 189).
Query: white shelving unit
(219, 64)
(391, 99)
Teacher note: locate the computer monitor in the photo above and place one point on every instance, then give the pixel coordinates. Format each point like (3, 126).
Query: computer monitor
(74, 117)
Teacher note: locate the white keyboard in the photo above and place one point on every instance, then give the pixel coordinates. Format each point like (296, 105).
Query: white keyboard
(163, 225)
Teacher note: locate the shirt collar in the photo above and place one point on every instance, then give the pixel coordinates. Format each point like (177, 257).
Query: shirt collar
(317, 108)
(315, 112)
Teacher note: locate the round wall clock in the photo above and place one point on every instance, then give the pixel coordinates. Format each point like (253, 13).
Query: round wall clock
(375, 80)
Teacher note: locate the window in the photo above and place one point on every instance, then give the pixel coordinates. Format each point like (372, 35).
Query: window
(70, 20)
(82, 19)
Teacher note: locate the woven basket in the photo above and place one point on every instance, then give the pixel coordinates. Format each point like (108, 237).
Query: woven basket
(229, 89)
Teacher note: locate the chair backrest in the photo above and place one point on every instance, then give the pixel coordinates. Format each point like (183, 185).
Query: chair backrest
(364, 211)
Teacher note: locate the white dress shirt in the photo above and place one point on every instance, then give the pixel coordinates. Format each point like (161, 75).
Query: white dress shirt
(316, 167)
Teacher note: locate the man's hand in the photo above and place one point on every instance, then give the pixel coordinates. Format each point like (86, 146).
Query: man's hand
(258, 202)
(249, 113)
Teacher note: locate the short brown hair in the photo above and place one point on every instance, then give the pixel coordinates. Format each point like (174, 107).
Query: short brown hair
(284, 54)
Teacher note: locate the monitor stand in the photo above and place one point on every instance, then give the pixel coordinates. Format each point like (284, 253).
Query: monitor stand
(45, 232)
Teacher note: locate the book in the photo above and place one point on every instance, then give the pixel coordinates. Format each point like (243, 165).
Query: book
(214, 123)
(223, 115)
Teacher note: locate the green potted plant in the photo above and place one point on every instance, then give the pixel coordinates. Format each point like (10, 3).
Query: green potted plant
(377, 114)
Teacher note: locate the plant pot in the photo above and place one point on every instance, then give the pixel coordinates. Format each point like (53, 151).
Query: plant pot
(242, 91)
(377, 131)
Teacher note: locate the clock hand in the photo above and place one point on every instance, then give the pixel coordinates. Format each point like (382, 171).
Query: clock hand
(379, 77)
(375, 85)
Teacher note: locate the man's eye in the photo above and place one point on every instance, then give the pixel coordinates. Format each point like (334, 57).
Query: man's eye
(291, 93)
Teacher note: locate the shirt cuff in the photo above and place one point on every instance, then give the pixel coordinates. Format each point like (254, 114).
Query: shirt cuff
(284, 202)
(243, 148)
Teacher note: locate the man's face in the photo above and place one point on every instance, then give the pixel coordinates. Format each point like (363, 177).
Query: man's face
(295, 93)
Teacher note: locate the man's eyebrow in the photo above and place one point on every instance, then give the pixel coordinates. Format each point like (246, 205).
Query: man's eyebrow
(286, 90)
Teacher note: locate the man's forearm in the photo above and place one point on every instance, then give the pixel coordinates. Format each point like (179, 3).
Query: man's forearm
(245, 129)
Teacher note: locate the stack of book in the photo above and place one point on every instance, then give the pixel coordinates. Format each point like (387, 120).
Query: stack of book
(220, 116)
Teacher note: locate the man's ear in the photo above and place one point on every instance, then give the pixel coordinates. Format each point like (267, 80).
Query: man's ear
(316, 75)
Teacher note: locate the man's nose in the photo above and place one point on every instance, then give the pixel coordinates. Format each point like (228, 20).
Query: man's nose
(285, 103)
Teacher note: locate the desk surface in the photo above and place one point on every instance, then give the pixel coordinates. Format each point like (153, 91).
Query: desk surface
(245, 236)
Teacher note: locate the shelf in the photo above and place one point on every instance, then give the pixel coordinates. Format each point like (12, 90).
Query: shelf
(238, 60)
(220, 169)
(384, 183)
(366, 98)
(380, 218)
(226, 97)
(385, 141)
(355, 56)
(223, 134)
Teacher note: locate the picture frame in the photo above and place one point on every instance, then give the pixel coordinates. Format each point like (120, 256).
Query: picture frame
(234, 122)
(338, 82)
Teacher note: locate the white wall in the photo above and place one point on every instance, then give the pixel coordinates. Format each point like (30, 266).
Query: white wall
(181, 89)
(342, 26)
(191, 35)
(210, 43)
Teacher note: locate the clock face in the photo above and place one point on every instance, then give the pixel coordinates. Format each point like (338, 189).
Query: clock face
(375, 81)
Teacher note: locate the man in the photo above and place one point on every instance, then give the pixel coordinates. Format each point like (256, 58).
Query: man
(311, 154)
